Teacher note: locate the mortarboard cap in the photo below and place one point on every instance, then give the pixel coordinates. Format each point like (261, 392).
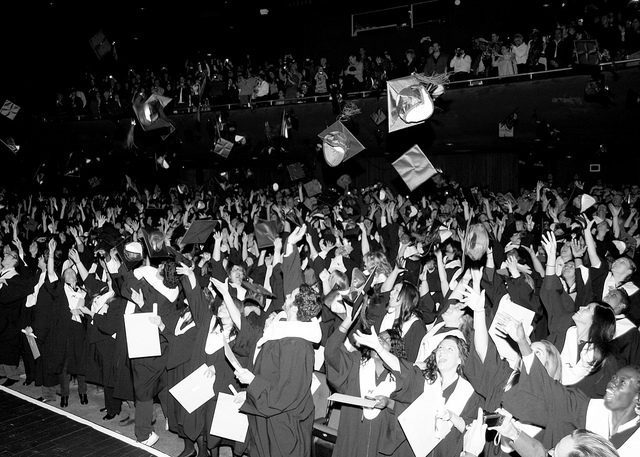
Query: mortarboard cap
(410, 101)
(199, 232)
(222, 147)
(378, 116)
(296, 171)
(155, 244)
(150, 113)
(257, 289)
(586, 202)
(313, 187)
(266, 233)
(339, 144)
(414, 167)
(344, 181)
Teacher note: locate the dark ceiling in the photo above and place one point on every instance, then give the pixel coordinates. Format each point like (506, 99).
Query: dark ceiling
(45, 44)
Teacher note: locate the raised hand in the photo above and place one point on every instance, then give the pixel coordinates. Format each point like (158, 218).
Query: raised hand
(550, 246)
(370, 341)
(578, 247)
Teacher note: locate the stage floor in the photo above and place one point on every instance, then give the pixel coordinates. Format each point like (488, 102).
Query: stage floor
(32, 428)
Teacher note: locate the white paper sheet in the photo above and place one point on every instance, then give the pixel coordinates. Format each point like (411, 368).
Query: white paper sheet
(315, 383)
(351, 400)
(228, 422)
(517, 312)
(194, 390)
(231, 357)
(143, 337)
(318, 360)
(418, 422)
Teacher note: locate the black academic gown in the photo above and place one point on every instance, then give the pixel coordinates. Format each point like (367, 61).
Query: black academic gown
(358, 436)
(12, 299)
(60, 339)
(279, 402)
(410, 385)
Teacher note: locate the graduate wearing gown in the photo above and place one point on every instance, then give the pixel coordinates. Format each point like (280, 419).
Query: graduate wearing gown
(539, 399)
(440, 379)
(370, 431)
(278, 400)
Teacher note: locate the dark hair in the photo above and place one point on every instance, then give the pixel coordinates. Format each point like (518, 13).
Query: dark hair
(408, 297)
(397, 343)
(308, 303)
(431, 370)
(169, 276)
(602, 331)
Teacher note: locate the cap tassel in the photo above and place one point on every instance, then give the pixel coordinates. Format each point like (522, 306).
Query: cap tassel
(129, 141)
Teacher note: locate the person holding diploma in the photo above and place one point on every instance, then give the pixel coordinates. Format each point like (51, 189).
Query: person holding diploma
(442, 379)
(213, 327)
(365, 431)
(279, 402)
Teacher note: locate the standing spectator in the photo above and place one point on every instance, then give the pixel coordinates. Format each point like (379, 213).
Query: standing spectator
(320, 81)
(353, 74)
(436, 62)
(556, 52)
(246, 83)
(367, 66)
(183, 93)
(521, 51)
(536, 51)
(460, 65)
(505, 62)
(273, 84)
(632, 38)
(261, 89)
(410, 62)
(291, 78)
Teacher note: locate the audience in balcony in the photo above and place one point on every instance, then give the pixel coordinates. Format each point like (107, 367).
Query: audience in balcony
(225, 82)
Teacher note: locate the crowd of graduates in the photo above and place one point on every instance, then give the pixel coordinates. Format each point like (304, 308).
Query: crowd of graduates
(462, 321)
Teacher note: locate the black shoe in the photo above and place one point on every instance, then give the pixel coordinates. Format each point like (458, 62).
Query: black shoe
(102, 410)
(9, 382)
(28, 381)
(64, 401)
(108, 417)
(83, 399)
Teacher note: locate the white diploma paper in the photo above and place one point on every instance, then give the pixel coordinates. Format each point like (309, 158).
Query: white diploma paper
(194, 390)
(143, 337)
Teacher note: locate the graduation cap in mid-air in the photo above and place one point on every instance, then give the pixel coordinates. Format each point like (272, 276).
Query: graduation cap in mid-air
(313, 188)
(414, 167)
(155, 243)
(150, 114)
(266, 232)
(339, 144)
(410, 100)
(199, 231)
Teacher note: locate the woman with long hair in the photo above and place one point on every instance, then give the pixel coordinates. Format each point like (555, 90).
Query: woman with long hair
(403, 316)
(584, 339)
(442, 381)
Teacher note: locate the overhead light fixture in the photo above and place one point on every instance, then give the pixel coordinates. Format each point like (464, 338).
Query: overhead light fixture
(264, 11)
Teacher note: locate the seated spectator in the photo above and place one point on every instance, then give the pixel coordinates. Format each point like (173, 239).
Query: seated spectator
(521, 51)
(436, 62)
(460, 65)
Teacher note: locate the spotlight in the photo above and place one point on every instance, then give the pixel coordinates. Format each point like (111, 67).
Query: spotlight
(457, 2)
(264, 11)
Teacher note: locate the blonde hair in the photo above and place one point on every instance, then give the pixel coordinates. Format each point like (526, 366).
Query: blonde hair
(553, 364)
(378, 259)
